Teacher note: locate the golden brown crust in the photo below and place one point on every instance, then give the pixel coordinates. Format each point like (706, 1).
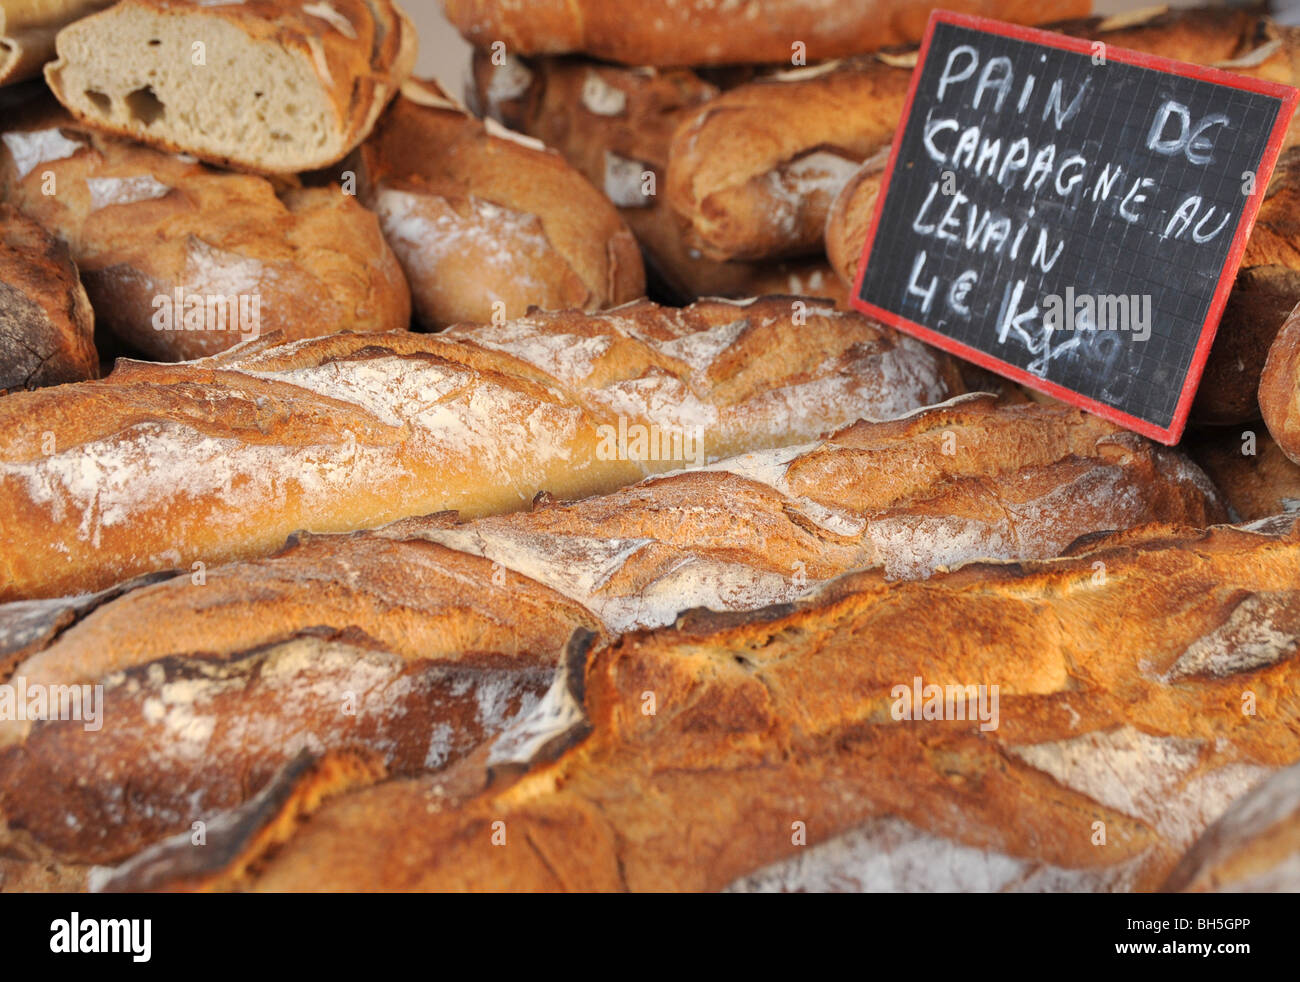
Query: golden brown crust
(420, 598)
(487, 226)
(761, 722)
(614, 125)
(359, 51)
(1279, 388)
(223, 458)
(648, 32)
(143, 224)
(47, 327)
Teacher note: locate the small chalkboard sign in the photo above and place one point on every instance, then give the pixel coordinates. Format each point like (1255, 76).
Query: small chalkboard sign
(1069, 214)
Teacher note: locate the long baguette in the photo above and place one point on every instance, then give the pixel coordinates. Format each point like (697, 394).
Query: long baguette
(422, 599)
(701, 32)
(714, 750)
(488, 223)
(162, 466)
(271, 86)
(753, 172)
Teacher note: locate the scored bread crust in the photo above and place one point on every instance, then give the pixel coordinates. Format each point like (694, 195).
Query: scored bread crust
(703, 32)
(27, 31)
(1112, 751)
(307, 80)
(752, 173)
(142, 224)
(434, 593)
(486, 222)
(47, 328)
(223, 458)
(614, 125)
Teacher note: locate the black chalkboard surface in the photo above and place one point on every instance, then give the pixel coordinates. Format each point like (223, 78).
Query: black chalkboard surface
(1070, 215)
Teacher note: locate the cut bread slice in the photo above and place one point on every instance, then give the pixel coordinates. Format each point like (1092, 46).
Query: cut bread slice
(274, 86)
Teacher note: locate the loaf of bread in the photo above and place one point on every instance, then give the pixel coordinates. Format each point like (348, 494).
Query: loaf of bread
(420, 600)
(703, 32)
(181, 260)
(1253, 848)
(486, 222)
(753, 172)
(1279, 387)
(1143, 685)
(614, 124)
(27, 30)
(161, 466)
(1247, 466)
(1266, 288)
(47, 328)
(272, 86)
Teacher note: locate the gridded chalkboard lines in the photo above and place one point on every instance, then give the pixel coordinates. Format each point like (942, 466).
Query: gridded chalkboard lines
(1070, 215)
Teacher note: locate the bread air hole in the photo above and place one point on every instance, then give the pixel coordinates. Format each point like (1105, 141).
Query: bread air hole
(144, 106)
(154, 42)
(100, 101)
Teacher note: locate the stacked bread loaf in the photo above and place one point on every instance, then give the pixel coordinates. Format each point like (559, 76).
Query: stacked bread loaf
(724, 588)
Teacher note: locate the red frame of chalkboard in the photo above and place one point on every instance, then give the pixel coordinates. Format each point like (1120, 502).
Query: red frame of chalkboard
(1285, 93)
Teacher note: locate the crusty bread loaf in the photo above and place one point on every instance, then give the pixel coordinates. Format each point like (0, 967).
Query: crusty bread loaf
(27, 30)
(1253, 848)
(1266, 288)
(753, 172)
(1248, 467)
(160, 466)
(181, 260)
(1144, 684)
(1279, 387)
(614, 124)
(488, 223)
(47, 329)
(702, 32)
(285, 638)
(273, 86)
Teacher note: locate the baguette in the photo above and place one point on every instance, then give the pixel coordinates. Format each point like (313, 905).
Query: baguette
(270, 86)
(182, 261)
(701, 32)
(1254, 847)
(1254, 476)
(1111, 748)
(753, 172)
(162, 466)
(27, 30)
(487, 225)
(613, 124)
(1279, 387)
(47, 329)
(418, 602)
